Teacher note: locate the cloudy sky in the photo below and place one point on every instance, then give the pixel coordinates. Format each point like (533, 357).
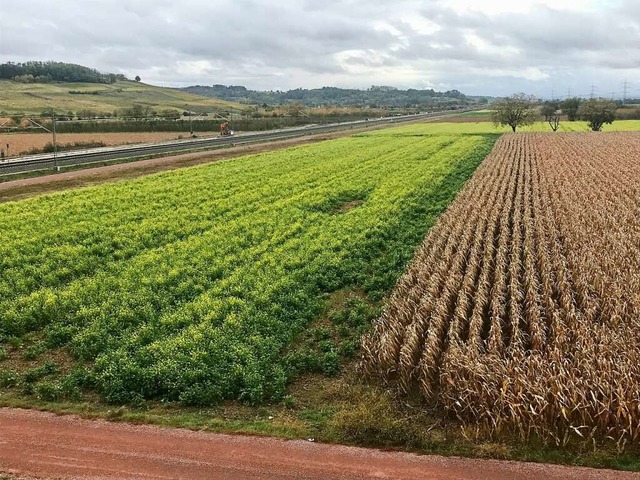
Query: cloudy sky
(489, 47)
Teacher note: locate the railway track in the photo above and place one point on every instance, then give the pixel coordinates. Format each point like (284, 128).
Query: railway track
(41, 162)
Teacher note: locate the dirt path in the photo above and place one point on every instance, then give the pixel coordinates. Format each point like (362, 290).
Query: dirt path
(44, 445)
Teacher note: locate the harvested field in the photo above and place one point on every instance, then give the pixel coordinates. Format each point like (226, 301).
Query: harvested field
(520, 312)
(20, 143)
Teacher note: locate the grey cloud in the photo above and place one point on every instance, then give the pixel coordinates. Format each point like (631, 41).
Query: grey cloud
(308, 43)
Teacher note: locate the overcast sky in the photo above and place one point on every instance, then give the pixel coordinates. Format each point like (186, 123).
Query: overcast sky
(487, 47)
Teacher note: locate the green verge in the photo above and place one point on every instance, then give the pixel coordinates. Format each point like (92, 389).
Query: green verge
(339, 410)
(482, 127)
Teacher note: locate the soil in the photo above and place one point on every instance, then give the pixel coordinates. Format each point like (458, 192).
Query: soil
(44, 445)
(349, 206)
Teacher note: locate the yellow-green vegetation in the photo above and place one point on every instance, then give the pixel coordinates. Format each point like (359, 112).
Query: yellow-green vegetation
(479, 114)
(483, 128)
(33, 98)
(212, 283)
(579, 126)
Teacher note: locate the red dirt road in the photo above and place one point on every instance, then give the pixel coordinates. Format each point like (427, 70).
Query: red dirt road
(43, 445)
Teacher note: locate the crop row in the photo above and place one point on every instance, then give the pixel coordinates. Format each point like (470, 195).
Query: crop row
(520, 311)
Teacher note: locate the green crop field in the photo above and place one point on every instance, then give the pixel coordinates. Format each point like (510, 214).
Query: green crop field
(20, 98)
(480, 128)
(208, 283)
(481, 115)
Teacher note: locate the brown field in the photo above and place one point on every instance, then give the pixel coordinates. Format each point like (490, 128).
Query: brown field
(521, 310)
(20, 143)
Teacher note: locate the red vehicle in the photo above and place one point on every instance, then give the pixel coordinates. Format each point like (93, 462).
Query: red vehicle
(225, 129)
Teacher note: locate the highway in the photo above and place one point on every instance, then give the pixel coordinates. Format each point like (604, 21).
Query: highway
(41, 162)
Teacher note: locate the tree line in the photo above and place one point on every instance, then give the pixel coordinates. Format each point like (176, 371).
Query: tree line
(128, 125)
(520, 110)
(375, 96)
(44, 72)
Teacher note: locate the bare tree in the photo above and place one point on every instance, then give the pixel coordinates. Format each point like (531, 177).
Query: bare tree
(295, 109)
(551, 112)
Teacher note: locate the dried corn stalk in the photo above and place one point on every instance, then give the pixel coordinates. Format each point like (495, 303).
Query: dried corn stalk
(521, 310)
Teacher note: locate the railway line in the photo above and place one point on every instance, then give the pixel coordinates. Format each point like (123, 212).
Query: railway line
(42, 162)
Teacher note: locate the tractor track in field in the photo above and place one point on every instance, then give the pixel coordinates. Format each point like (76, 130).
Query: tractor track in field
(44, 445)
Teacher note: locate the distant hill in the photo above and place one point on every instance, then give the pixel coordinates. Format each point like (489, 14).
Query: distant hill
(376, 96)
(103, 98)
(45, 72)
(35, 87)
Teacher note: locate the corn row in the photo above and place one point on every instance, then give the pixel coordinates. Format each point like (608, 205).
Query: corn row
(521, 311)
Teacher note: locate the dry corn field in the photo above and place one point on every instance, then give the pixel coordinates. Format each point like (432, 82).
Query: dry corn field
(520, 312)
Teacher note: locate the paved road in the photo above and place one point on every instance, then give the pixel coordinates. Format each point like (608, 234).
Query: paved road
(43, 445)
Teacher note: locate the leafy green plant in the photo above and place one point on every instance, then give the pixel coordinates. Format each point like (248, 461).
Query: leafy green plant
(36, 373)
(193, 285)
(8, 378)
